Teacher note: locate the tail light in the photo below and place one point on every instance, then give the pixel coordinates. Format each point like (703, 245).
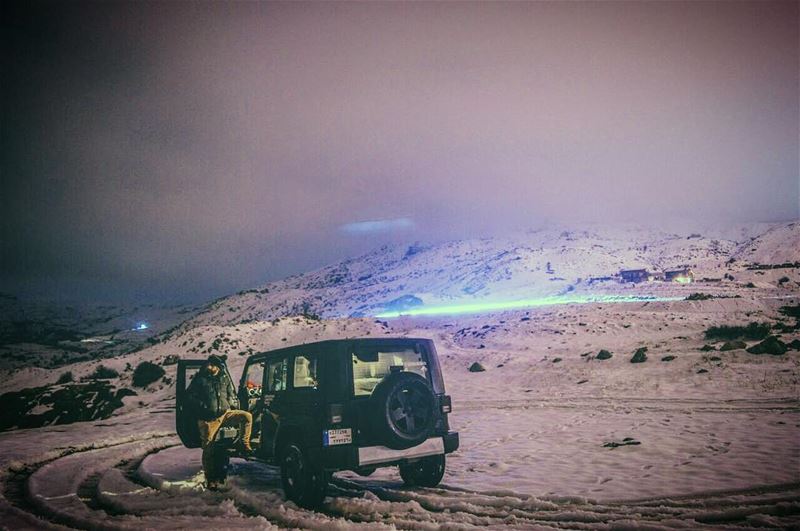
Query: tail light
(446, 404)
(335, 413)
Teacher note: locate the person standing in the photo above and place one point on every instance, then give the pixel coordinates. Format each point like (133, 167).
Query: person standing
(216, 405)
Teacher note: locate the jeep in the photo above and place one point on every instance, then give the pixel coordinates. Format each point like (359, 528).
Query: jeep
(347, 404)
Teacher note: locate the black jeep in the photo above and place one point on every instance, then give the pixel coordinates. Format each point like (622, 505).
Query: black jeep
(351, 404)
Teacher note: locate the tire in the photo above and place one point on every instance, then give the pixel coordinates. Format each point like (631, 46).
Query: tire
(427, 472)
(303, 482)
(403, 406)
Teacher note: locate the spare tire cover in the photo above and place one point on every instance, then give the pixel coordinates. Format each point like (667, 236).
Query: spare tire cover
(403, 405)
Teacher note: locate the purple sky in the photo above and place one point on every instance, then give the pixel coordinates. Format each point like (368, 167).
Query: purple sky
(187, 150)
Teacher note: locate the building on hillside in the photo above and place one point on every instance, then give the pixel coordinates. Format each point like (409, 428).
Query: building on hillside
(635, 275)
(682, 276)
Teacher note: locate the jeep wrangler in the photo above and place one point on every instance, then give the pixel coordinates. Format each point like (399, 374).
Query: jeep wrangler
(351, 404)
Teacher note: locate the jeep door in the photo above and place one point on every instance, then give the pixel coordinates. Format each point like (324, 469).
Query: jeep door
(276, 380)
(185, 416)
(303, 407)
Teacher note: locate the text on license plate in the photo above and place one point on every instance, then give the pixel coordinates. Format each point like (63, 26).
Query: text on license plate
(339, 436)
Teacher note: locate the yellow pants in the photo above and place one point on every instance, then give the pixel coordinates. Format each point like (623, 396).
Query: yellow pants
(208, 431)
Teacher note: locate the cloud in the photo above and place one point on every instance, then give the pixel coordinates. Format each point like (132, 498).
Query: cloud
(173, 149)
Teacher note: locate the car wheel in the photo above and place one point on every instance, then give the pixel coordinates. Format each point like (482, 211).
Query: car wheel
(404, 410)
(427, 472)
(303, 482)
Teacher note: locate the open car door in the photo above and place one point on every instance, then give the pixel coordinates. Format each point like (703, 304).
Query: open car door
(185, 417)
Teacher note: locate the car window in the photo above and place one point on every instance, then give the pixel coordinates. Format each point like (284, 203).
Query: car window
(305, 372)
(277, 375)
(370, 367)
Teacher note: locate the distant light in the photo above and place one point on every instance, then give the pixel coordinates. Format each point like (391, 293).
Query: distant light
(377, 225)
(484, 307)
(141, 326)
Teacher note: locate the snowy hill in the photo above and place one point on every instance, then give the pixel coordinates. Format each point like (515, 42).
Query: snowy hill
(776, 245)
(533, 264)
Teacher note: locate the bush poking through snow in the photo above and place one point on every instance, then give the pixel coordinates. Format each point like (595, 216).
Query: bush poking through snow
(171, 359)
(103, 373)
(707, 348)
(65, 377)
(751, 331)
(639, 356)
(476, 367)
(732, 345)
(699, 297)
(603, 355)
(771, 345)
(627, 441)
(146, 373)
(39, 406)
(791, 311)
(668, 358)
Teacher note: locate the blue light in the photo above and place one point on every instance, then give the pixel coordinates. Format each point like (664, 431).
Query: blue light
(484, 307)
(377, 225)
(141, 326)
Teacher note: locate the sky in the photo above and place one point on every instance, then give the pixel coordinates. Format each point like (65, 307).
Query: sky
(180, 151)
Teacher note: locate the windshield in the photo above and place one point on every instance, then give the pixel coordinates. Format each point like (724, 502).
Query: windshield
(370, 367)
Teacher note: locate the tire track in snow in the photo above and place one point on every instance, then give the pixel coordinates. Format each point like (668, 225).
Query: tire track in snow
(73, 490)
(777, 506)
(93, 488)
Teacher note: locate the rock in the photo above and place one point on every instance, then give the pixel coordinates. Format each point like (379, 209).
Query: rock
(603, 355)
(582, 382)
(714, 358)
(476, 367)
(771, 345)
(732, 345)
(639, 356)
(701, 371)
(556, 360)
(627, 441)
(668, 358)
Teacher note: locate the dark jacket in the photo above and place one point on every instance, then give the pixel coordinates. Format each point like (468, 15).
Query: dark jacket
(211, 396)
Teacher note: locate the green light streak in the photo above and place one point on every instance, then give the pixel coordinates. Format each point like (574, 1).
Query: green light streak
(485, 307)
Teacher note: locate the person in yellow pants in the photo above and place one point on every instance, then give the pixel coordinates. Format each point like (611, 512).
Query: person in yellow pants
(214, 398)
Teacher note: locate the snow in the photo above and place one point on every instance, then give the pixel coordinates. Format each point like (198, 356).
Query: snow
(718, 448)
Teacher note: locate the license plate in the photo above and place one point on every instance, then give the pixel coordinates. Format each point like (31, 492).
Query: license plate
(339, 436)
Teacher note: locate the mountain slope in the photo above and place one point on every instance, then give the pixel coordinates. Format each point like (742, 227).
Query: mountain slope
(533, 264)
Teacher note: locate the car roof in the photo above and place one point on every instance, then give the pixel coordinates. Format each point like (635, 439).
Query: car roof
(355, 341)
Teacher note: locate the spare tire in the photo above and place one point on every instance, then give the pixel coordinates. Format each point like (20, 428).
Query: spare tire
(403, 408)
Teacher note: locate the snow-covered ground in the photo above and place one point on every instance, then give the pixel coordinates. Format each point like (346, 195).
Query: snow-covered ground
(719, 431)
